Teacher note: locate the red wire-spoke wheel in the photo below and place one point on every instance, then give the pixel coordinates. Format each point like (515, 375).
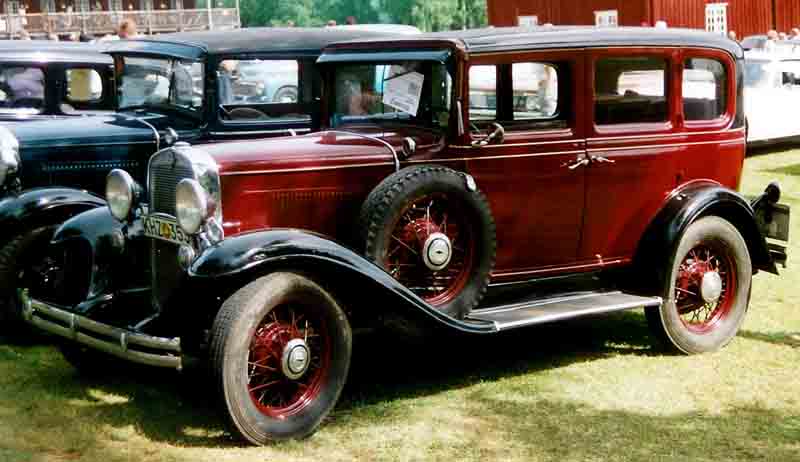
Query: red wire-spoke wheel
(432, 230)
(289, 355)
(280, 350)
(704, 287)
(431, 249)
(708, 288)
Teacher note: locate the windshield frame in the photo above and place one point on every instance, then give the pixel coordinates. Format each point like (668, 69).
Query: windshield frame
(331, 97)
(119, 72)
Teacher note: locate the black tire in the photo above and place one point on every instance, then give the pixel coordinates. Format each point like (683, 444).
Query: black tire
(390, 199)
(242, 318)
(16, 257)
(722, 318)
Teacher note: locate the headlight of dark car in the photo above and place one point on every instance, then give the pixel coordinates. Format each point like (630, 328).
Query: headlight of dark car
(9, 155)
(122, 194)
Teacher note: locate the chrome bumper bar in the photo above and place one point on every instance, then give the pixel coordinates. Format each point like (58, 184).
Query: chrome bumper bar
(164, 352)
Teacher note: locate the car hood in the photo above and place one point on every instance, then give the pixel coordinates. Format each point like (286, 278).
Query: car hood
(80, 131)
(315, 151)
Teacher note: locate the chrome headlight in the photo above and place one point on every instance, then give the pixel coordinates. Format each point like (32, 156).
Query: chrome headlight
(9, 155)
(121, 194)
(192, 206)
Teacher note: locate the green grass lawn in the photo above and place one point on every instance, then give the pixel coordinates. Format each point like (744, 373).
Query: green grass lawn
(589, 390)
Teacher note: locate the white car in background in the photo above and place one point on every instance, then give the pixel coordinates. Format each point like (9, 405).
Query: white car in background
(772, 97)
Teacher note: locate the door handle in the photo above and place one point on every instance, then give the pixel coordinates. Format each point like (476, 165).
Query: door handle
(603, 160)
(576, 163)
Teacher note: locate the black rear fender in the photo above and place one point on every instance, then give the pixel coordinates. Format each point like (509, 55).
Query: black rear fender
(682, 208)
(366, 290)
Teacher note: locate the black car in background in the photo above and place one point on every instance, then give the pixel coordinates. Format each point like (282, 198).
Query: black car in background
(197, 86)
(47, 80)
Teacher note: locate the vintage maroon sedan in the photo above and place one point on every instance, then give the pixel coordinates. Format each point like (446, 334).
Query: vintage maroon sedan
(589, 175)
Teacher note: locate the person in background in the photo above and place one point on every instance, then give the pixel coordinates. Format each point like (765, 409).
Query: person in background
(351, 21)
(52, 36)
(24, 35)
(85, 38)
(795, 34)
(127, 29)
(290, 23)
(331, 23)
(782, 36)
(732, 35)
(772, 39)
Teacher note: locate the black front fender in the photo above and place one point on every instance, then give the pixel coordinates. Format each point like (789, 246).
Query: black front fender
(249, 256)
(34, 208)
(684, 207)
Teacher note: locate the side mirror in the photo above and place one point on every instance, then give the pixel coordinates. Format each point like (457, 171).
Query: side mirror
(497, 136)
(409, 148)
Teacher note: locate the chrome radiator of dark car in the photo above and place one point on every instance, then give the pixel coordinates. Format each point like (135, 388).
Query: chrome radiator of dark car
(166, 170)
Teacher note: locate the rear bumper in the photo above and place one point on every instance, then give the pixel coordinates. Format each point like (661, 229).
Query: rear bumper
(122, 343)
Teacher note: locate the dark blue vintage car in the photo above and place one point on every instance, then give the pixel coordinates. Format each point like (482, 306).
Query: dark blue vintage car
(198, 87)
(47, 80)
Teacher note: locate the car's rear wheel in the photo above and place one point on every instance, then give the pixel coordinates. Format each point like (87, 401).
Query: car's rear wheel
(708, 290)
(432, 230)
(280, 352)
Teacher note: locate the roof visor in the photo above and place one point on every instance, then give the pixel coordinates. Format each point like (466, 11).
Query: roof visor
(385, 56)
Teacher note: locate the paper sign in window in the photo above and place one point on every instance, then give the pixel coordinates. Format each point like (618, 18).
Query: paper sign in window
(403, 92)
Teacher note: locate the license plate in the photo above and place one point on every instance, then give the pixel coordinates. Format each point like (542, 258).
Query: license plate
(166, 229)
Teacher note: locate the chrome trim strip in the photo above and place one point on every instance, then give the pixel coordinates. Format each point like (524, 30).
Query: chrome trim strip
(309, 169)
(155, 132)
(262, 132)
(672, 145)
(374, 138)
(510, 156)
(96, 335)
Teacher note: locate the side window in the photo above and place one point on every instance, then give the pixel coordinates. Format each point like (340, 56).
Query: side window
(535, 87)
(21, 90)
(630, 90)
(84, 85)
(254, 89)
(519, 95)
(705, 94)
(482, 93)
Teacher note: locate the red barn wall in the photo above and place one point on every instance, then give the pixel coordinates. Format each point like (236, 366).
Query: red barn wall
(746, 17)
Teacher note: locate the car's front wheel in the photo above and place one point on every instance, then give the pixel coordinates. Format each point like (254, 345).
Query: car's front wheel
(280, 353)
(707, 291)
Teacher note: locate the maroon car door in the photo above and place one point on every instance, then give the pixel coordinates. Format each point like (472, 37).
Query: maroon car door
(535, 177)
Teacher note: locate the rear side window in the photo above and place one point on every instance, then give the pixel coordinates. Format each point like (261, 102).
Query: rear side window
(630, 90)
(21, 90)
(705, 83)
(84, 85)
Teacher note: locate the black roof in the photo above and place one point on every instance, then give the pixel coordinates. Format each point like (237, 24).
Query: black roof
(274, 40)
(494, 39)
(47, 51)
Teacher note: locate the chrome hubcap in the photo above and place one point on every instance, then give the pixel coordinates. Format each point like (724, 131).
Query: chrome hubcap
(437, 251)
(295, 359)
(711, 287)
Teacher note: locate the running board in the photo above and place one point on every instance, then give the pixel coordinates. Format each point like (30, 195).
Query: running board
(540, 311)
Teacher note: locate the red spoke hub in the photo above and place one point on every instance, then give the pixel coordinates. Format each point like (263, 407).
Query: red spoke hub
(288, 360)
(431, 249)
(705, 286)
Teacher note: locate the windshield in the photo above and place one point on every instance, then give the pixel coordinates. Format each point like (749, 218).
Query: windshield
(756, 74)
(156, 82)
(413, 92)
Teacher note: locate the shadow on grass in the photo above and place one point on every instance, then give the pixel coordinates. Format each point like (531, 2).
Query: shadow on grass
(791, 339)
(179, 408)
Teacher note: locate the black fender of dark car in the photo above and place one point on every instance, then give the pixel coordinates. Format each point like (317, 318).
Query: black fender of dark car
(34, 208)
(345, 273)
(683, 207)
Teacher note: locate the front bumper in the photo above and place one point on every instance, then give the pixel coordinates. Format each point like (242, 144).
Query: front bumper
(132, 346)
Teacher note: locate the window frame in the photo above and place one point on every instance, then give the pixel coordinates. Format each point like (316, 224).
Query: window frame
(308, 91)
(729, 114)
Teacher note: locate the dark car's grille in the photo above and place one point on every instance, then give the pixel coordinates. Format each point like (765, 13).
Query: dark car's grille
(166, 170)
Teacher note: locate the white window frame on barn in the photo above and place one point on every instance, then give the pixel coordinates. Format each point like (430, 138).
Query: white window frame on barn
(606, 18)
(528, 21)
(717, 18)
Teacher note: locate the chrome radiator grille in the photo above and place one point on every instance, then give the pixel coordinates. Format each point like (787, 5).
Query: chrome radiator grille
(166, 170)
